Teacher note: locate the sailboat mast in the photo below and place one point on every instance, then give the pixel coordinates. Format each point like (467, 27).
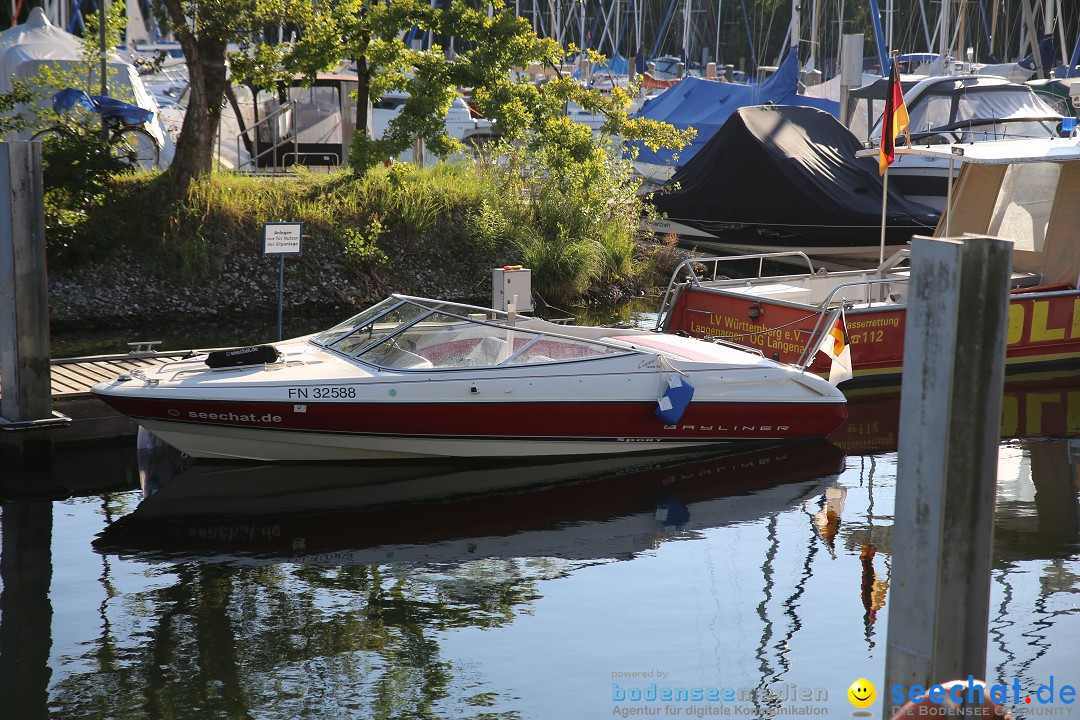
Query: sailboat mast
(686, 32)
(943, 28)
(889, 26)
(796, 20)
(716, 54)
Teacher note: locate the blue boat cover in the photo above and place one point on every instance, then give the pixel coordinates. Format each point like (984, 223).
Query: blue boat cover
(101, 104)
(617, 65)
(706, 104)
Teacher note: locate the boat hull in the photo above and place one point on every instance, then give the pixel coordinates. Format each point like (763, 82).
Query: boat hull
(1044, 328)
(276, 431)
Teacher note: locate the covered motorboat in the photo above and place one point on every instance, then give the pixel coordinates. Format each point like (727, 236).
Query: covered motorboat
(414, 378)
(705, 105)
(962, 109)
(786, 177)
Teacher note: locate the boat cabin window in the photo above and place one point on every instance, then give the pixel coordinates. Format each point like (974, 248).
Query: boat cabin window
(933, 112)
(989, 113)
(318, 114)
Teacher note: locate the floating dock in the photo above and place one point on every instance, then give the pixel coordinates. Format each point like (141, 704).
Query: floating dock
(91, 419)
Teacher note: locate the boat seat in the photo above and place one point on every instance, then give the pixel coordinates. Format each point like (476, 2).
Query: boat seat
(489, 351)
(780, 291)
(1024, 280)
(398, 358)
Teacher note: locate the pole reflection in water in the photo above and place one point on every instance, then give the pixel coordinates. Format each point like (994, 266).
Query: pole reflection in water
(503, 590)
(25, 611)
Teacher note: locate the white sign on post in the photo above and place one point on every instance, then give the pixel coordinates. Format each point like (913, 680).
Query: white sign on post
(282, 238)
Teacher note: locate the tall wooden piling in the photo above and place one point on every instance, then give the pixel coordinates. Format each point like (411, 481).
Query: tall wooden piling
(954, 364)
(25, 396)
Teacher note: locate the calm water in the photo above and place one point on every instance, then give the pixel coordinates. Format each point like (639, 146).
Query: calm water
(344, 591)
(512, 591)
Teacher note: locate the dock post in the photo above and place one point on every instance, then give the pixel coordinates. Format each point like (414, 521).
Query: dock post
(954, 365)
(25, 379)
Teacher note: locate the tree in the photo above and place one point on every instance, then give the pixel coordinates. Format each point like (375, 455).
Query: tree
(204, 29)
(495, 44)
(370, 34)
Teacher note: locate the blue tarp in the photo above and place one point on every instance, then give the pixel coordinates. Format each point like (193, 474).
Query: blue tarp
(617, 65)
(706, 104)
(102, 105)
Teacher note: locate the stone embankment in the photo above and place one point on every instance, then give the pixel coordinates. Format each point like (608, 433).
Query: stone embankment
(130, 289)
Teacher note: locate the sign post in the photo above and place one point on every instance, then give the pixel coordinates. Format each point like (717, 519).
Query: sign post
(281, 239)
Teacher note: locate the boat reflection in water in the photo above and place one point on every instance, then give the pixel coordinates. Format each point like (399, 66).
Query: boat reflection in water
(1035, 405)
(611, 507)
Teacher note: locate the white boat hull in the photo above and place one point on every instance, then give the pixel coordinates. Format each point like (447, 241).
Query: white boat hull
(205, 441)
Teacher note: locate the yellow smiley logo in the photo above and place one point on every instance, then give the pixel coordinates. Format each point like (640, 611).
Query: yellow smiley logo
(862, 693)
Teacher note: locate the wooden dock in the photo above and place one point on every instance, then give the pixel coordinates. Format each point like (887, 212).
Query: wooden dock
(91, 419)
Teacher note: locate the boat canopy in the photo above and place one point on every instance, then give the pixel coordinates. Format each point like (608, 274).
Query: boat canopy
(975, 108)
(402, 333)
(1023, 190)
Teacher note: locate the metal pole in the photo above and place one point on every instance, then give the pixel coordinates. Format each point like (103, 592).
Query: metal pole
(954, 369)
(884, 203)
(280, 292)
(102, 22)
(719, 7)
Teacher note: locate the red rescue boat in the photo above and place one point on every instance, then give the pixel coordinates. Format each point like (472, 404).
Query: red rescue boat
(1023, 190)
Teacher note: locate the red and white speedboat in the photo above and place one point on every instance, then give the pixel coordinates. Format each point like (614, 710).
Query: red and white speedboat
(413, 378)
(1022, 190)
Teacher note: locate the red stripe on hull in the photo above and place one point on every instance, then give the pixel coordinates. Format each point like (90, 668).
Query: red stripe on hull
(555, 420)
(1041, 329)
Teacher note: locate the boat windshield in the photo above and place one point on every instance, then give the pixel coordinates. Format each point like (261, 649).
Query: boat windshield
(356, 321)
(407, 335)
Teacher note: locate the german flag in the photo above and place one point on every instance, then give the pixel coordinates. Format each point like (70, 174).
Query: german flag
(836, 344)
(894, 121)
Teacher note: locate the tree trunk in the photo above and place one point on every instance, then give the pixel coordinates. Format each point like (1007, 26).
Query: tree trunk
(205, 56)
(363, 88)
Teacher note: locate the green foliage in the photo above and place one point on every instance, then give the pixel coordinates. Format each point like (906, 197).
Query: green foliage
(361, 248)
(77, 172)
(14, 105)
(492, 48)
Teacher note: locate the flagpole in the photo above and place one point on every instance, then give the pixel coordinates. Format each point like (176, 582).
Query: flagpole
(884, 201)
